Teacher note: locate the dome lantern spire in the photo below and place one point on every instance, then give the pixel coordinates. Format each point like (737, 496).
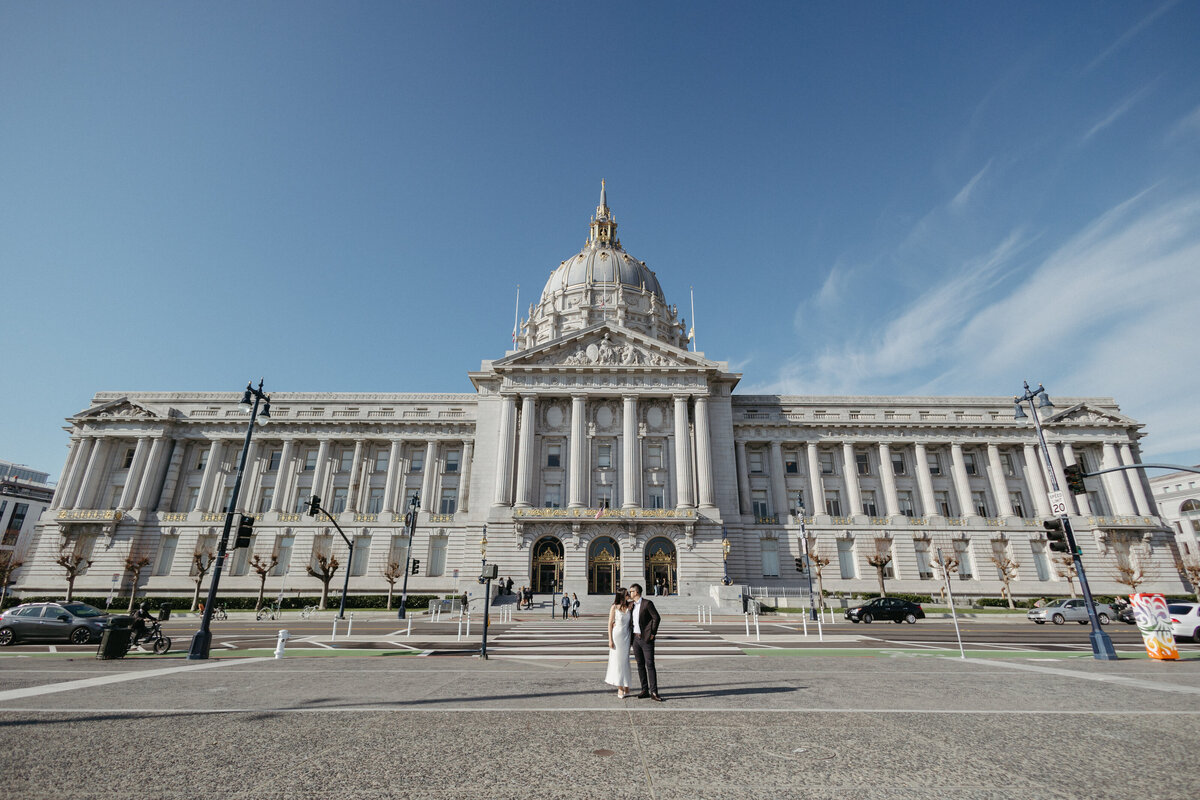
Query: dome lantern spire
(603, 226)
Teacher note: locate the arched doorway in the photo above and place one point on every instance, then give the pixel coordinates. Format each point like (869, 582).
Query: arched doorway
(604, 566)
(660, 566)
(546, 573)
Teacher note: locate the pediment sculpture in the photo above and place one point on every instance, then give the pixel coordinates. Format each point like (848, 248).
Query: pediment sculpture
(606, 352)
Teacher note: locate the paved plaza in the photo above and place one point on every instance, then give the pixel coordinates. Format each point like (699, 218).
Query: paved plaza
(876, 724)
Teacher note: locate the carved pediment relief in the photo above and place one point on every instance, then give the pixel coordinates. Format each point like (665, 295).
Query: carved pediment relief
(605, 346)
(1083, 414)
(120, 409)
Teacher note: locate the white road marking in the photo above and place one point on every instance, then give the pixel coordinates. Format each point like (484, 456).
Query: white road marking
(1092, 676)
(631, 706)
(87, 683)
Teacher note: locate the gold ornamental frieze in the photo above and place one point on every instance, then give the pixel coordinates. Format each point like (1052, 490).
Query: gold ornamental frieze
(87, 514)
(604, 513)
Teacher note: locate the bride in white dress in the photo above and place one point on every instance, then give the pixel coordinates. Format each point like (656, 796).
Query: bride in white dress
(620, 634)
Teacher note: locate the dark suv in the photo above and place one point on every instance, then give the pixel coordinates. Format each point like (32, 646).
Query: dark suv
(75, 623)
(885, 608)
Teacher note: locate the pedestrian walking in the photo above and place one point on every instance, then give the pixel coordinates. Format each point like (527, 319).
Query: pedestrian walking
(574, 606)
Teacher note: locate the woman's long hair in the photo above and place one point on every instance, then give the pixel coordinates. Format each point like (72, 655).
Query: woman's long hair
(621, 599)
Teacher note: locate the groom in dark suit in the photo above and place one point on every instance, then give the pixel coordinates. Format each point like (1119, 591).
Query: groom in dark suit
(645, 629)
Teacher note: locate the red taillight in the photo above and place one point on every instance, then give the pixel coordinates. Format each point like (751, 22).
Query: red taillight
(1174, 620)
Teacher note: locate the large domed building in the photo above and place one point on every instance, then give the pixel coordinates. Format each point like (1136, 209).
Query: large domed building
(600, 452)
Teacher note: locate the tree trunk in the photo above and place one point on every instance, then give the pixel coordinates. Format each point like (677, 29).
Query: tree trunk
(882, 588)
(262, 589)
(1008, 595)
(324, 595)
(70, 587)
(1071, 583)
(196, 594)
(391, 590)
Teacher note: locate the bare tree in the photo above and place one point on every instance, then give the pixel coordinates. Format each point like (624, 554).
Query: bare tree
(1008, 572)
(8, 565)
(135, 565)
(1133, 577)
(946, 564)
(1189, 568)
(202, 562)
(1065, 566)
(73, 564)
(819, 562)
(262, 567)
(392, 573)
(882, 557)
(326, 567)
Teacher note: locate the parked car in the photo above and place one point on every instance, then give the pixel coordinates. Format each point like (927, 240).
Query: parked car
(1185, 620)
(73, 623)
(886, 608)
(1072, 610)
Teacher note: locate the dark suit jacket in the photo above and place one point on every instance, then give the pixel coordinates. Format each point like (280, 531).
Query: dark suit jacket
(648, 620)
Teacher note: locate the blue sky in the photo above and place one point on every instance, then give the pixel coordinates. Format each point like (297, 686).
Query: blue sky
(869, 198)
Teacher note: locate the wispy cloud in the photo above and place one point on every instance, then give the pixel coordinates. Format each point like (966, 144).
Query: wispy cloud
(1188, 126)
(964, 194)
(1133, 31)
(1118, 111)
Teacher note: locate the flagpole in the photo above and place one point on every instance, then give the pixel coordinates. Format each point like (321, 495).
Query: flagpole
(517, 316)
(692, 334)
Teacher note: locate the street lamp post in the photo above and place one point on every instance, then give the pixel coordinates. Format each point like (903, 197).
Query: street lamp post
(1102, 646)
(725, 545)
(202, 639)
(410, 521)
(314, 507)
(812, 601)
(486, 579)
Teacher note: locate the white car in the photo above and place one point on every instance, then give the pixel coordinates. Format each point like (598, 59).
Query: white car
(1185, 620)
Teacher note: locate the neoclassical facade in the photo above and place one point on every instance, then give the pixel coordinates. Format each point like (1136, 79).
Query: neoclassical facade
(599, 452)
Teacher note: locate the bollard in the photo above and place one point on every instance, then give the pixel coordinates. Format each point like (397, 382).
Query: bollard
(699, 614)
(747, 616)
(710, 615)
(334, 634)
(283, 637)
(459, 639)
(804, 619)
(820, 633)
(468, 626)
(350, 625)
(756, 636)
(409, 627)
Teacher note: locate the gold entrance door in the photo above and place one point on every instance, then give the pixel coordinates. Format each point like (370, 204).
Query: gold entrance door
(604, 566)
(661, 572)
(546, 573)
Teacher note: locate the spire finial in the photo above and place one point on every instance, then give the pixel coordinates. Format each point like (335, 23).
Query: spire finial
(603, 228)
(603, 195)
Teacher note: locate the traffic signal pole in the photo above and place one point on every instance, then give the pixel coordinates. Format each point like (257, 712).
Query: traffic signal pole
(314, 506)
(413, 505)
(812, 601)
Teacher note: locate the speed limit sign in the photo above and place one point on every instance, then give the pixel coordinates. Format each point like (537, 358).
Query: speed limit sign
(1058, 503)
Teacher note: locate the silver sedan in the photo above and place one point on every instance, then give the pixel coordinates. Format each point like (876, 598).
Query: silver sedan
(1073, 610)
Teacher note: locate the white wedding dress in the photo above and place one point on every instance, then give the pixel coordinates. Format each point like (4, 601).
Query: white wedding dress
(618, 657)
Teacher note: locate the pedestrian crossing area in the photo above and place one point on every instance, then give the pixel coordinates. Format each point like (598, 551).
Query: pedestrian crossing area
(587, 640)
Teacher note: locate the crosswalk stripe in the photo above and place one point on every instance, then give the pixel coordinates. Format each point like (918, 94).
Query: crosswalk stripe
(546, 639)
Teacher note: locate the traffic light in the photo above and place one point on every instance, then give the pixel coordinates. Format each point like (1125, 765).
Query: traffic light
(799, 565)
(245, 530)
(314, 506)
(416, 566)
(1056, 535)
(1074, 476)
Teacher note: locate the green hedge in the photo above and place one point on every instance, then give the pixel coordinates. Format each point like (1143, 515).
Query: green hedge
(236, 603)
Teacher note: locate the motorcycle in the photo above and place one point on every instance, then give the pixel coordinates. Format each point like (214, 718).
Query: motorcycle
(154, 637)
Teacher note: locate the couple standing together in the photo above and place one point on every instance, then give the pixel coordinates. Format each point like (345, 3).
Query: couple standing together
(632, 619)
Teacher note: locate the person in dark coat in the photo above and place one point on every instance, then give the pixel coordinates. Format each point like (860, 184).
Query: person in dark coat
(645, 631)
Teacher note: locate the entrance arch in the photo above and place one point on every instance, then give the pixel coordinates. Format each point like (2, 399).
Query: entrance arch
(661, 566)
(604, 566)
(545, 575)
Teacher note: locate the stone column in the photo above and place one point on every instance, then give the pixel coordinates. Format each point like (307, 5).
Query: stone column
(150, 474)
(250, 479)
(78, 444)
(211, 468)
(1033, 480)
(526, 476)
(816, 503)
(171, 475)
(354, 483)
(91, 473)
(850, 475)
(1144, 506)
(393, 472)
(505, 447)
(962, 485)
(1057, 463)
(1081, 500)
(464, 482)
(578, 495)
(704, 467)
(631, 475)
(779, 502)
(683, 456)
(743, 477)
(999, 484)
(924, 480)
(134, 475)
(283, 481)
(889, 480)
(321, 469)
(428, 503)
(1114, 482)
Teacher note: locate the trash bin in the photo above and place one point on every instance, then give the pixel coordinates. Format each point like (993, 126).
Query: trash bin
(114, 642)
(164, 612)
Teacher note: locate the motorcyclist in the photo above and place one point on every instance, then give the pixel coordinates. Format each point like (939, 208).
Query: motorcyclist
(141, 618)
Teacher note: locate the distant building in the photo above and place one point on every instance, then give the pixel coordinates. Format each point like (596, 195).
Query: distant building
(24, 494)
(1177, 495)
(599, 452)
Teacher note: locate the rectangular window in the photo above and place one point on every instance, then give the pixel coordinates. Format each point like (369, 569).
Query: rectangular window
(273, 460)
(655, 497)
(202, 460)
(409, 494)
(924, 565)
(115, 498)
(1006, 463)
(756, 461)
(770, 558)
(362, 552)
(127, 460)
(905, 499)
(190, 498)
(898, 467)
(240, 559)
(322, 546)
(791, 463)
(845, 550)
(826, 461)
(206, 549)
(554, 455)
(166, 554)
(604, 456)
(264, 500)
(346, 460)
(375, 500)
(883, 547)
(1017, 502)
(310, 460)
(339, 500)
(654, 457)
(979, 500)
(833, 504)
(999, 554)
(962, 552)
(301, 502)
(226, 496)
(758, 499)
(868, 504)
(864, 463)
(935, 465)
(417, 462)
(942, 501)
(553, 496)
(969, 464)
(800, 502)
(12, 531)
(283, 554)
(398, 553)
(381, 459)
(604, 496)
(437, 556)
(1040, 562)
(449, 501)
(452, 459)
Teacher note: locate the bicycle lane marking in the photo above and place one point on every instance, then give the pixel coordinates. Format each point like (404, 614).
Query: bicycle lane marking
(1092, 676)
(87, 683)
